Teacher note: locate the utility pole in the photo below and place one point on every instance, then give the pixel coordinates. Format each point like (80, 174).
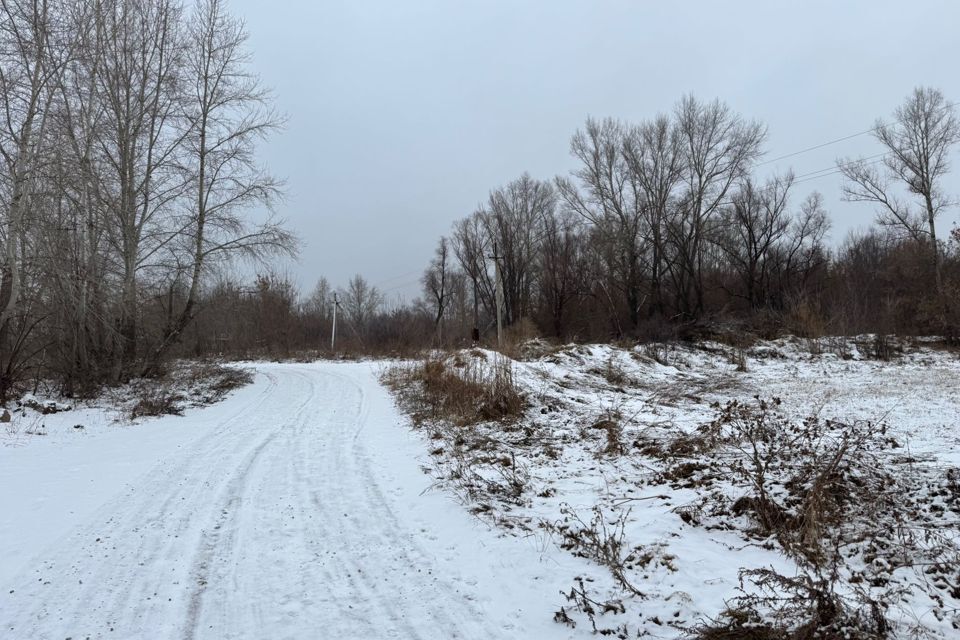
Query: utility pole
(333, 334)
(499, 295)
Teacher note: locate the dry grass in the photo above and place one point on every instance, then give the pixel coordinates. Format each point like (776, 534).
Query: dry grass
(218, 380)
(462, 389)
(156, 400)
(188, 385)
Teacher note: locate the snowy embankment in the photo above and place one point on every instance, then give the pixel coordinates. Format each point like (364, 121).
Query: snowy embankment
(687, 497)
(295, 508)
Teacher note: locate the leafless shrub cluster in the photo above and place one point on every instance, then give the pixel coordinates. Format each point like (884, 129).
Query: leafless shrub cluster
(484, 480)
(600, 540)
(779, 607)
(613, 430)
(824, 466)
(215, 381)
(879, 347)
(182, 386)
(659, 352)
(580, 600)
(837, 499)
(614, 373)
(156, 400)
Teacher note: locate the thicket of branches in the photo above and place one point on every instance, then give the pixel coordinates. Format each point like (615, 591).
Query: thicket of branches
(128, 131)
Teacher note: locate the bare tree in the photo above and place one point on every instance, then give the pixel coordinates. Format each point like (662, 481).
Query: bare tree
(471, 247)
(755, 224)
(654, 155)
(227, 113)
(436, 285)
(802, 253)
(561, 280)
(361, 300)
(140, 83)
(608, 194)
(719, 148)
(127, 174)
(33, 52)
(81, 267)
(320, 300)
(511, 221)
(918, 142)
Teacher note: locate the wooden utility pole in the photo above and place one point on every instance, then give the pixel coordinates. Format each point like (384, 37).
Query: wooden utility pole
(499, 295)
(333, 334)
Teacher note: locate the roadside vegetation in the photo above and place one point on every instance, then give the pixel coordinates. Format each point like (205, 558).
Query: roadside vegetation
(787, 489)
(182, 385)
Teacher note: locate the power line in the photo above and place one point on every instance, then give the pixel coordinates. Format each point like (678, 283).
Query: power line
(828, 143)
(396, 277)
(815, 147)
(400, 286)
(833, 168)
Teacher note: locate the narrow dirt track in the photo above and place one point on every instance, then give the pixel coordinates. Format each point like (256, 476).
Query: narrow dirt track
(275, 523)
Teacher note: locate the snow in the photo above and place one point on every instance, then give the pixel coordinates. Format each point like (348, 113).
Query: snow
(294, 509)
(305, 506)
(657, 392)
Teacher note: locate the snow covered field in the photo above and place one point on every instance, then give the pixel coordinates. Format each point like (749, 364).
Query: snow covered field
(303, 506)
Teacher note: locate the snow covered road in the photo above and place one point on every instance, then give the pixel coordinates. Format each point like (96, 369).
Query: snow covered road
(294, 509)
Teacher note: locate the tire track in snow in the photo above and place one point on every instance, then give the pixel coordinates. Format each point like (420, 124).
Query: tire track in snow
(218, 543)
(406, 554)
(110, 558)
(221, 534)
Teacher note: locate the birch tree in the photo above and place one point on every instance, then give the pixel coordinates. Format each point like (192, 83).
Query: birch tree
(33, 51)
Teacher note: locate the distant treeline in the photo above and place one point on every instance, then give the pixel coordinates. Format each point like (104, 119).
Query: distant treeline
(662, 230)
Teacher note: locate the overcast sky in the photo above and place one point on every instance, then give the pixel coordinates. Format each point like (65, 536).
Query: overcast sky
(402, 115)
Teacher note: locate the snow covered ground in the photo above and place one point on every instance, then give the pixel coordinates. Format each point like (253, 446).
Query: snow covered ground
(600, 454)
(303, 506)
(296, 508)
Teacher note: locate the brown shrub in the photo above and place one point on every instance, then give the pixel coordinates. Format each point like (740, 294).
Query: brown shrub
(459, 389)
(156, 401)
